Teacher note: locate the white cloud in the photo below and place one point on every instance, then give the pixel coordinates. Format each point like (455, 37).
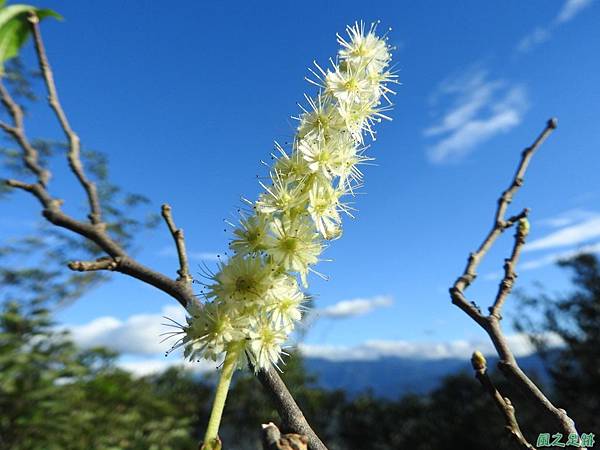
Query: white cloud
(371, 350)
(567, 218)
(482, 109)
(375, 349)
(553, 258)
(148, 366)
(138, 334)
(536, 37)
(137, 338)
(354, 307)
(570, 9)
(170, 251)
(566, 236)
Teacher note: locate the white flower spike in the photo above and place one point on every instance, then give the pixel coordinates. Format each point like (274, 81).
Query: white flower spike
(254, 302)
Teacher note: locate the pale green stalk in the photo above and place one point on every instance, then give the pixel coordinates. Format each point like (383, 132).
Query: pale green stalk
(211, 439)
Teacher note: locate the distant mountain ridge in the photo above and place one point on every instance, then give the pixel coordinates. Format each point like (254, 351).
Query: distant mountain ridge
(393, 377)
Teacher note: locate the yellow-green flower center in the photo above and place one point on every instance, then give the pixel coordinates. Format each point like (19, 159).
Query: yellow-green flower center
(351, 85)
(243, 284)
(289, 244)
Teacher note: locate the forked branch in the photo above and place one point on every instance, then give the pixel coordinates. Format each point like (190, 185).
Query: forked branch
(491, 323)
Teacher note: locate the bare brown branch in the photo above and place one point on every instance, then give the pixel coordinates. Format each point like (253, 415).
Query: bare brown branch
(73, 156)
(491, 323)
(95, 232)
(177, 233)
(291, 415)
(503, 403)
(116, 258)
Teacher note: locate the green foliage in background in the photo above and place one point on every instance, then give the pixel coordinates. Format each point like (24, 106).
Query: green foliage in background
(55, 396)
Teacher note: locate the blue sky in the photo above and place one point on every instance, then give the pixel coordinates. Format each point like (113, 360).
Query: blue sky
(187, 98)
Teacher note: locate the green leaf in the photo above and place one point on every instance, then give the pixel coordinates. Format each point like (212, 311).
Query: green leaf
(43, 13)
(11, 12)
(13, 35)
(14, 29)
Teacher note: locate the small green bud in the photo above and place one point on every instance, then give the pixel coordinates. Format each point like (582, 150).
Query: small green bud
(524, 226)
(478, 360)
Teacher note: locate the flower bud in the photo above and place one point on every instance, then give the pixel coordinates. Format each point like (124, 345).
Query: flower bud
(524, 226)
(478, 360)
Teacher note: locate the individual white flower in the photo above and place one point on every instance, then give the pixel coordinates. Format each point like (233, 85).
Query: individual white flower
(295, 245)
(323, 208)
(208, 335)
(252, 235)
(322, 119)
(364, 48)
(380, 82)
(265, 345)
(349, 154)
(321, 154)
(243, 279)
(282, 196)
(350, 176)
(360, 118)
(293, 168)
(349, 86)
(286, 309)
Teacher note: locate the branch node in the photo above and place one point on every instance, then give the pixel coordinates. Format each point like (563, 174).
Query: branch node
(33, 18)
(104, 263)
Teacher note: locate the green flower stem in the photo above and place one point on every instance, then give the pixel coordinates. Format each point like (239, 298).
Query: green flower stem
(211, 440)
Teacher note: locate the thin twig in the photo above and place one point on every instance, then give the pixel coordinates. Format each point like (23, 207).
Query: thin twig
(73, 156)
(510, 263)
(17, 131)
(177, 233)
(491, 323)
(503, 403)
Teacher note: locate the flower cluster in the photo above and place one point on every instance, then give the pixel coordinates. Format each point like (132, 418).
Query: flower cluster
(255, 298)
